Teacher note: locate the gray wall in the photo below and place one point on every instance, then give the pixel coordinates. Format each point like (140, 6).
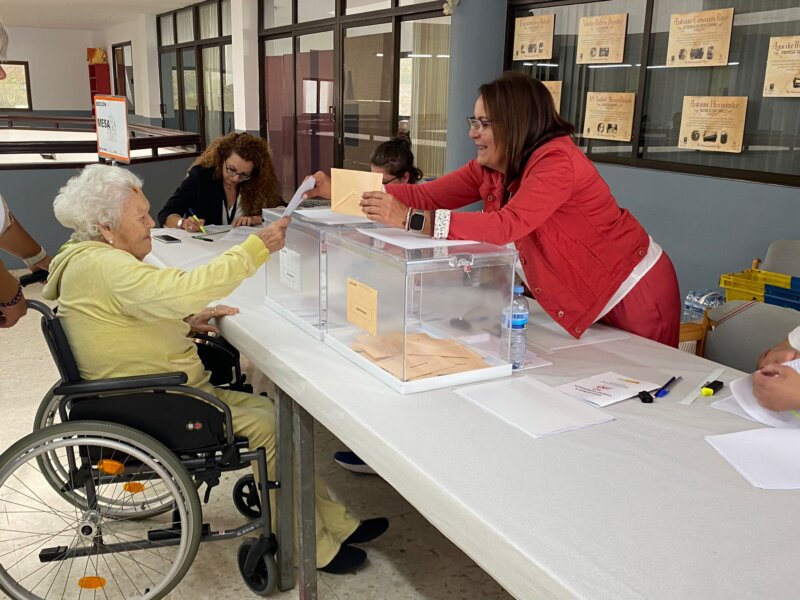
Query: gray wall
(708, 226)
(30, 193)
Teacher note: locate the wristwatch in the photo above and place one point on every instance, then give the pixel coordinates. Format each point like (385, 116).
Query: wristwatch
(417, 221)
(180, 223)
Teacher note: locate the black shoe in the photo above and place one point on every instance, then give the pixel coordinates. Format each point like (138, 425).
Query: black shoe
(368, 530)
(348, 559)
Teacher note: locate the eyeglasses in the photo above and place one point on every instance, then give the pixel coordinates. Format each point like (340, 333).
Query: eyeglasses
(234, 173)
(388, 181)
(478, 124)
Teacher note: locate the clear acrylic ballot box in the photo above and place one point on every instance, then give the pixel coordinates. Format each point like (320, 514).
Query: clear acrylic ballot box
(418, 319)
(296, 276)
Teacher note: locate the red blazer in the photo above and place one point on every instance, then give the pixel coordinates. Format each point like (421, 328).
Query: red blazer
(575, 243)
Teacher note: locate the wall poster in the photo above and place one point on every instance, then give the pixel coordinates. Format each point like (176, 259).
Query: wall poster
(782, 76)
(713, 123)
(554, 87)
(601, 40)
(609, 116)
(533, 37)
(700, 39)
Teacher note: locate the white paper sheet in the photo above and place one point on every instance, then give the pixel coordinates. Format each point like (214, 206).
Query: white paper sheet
(731, 405)
(767, 458)
(327, 217)
(410, 240)
(307, 185)
(239, 234)
(742, 390)
(606, 388)
(533, 407)
(549, 336)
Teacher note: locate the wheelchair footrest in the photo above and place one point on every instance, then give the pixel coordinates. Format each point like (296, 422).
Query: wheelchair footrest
(159, 535)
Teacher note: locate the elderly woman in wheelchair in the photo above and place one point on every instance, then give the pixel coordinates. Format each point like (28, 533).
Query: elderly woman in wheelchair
(121, 515)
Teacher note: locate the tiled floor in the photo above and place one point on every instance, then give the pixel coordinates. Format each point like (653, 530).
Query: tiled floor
(411, 561)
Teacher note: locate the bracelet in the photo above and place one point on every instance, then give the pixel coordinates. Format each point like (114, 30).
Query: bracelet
(441, 224)
(39, 257)
(180, 223)
(408, 218)
(14, 301)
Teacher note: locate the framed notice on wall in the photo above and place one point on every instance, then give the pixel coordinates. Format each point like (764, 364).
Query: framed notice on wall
(609, 116)
(111, 120)
(700, 39)
(554, 87)
(533, 37)
(601, 39)
(713, 123)
(782, 77)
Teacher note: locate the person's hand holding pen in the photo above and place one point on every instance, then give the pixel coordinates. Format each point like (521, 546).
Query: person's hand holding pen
(191, 224)
(198, 221)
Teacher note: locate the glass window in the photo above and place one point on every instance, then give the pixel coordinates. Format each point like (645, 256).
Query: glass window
(226, 17)
(277, 13)
(15, 90)
(361, 6)
(165, 24)
(209, 23)
(123, 73)
(315, 143)
(579, 79)
(422, 97)
(367, 86)
(171, 107)
(409, 2)
(314, 10)
(185, 22)
(227, 90)
(772, 125)
(191, 119)
(279, 101)
(212, 93)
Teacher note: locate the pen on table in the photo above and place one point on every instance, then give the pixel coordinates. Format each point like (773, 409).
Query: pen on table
(664, 389)
(205, 239)
(196, 220)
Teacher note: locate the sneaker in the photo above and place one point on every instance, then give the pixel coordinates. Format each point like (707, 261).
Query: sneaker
(348, 559)
(368, 530)
(351, 462)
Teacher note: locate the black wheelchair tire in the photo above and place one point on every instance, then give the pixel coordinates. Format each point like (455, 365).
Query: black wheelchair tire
(244, 492)
(265, 578)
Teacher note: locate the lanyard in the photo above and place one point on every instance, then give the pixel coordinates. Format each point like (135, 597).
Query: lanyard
(232, 212)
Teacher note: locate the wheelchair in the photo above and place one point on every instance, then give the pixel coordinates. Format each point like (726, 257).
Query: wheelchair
(102, 497)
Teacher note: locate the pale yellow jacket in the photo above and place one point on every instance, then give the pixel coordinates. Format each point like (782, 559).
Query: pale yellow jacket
(124, 317)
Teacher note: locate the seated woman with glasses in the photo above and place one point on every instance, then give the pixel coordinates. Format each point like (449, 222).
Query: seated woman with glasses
(583, 257)
(228, 184)
(395, 161)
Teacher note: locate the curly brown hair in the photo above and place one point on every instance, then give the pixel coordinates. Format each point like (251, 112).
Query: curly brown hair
(261, 190)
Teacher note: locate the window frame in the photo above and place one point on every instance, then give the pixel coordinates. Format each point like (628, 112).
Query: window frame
(25, 64)
(122, 45)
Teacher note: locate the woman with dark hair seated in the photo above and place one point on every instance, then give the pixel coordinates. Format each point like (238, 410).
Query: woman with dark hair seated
(584, 258)
(395, 161)
(228, 184)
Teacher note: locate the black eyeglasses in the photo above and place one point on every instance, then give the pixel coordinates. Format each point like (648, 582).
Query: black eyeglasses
(234, 173)
(388, 181)
(478, 124)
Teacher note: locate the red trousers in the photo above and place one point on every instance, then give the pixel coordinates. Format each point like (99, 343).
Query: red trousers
(652, 309)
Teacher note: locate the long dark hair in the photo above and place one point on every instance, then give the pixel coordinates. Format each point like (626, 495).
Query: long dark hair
(523, 117)
(396, 158)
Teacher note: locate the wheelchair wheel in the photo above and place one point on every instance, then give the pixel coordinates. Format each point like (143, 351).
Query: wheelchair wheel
(158, 502)
(246, 498)
(51, 547)
(265, 576)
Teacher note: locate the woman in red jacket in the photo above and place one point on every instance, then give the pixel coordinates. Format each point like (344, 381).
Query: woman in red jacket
(585, 259)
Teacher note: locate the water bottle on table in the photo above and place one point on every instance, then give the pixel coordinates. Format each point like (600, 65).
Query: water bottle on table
(515, 326)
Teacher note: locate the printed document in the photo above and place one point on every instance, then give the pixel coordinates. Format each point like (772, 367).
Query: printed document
(606, 388)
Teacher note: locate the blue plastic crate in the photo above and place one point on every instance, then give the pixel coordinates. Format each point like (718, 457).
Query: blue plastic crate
(788, 297)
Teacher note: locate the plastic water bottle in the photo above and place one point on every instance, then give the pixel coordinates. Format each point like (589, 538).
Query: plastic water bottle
(697, 301)
(515, 325)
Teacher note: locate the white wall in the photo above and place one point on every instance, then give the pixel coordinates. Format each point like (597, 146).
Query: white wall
(57, 62)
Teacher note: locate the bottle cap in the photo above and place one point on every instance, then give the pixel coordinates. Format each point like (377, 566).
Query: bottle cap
(518, 289)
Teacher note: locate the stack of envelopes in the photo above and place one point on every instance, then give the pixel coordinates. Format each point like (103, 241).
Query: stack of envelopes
(425, 356)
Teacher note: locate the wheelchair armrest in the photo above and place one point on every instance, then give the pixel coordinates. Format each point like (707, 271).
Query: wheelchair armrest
(120, 384)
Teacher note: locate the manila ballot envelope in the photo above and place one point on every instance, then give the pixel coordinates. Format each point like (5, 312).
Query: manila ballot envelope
(347, 187)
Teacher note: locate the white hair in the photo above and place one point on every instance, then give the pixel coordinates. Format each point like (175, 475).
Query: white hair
(94, 198)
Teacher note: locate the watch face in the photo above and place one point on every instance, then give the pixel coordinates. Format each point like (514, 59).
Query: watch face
(417, 222)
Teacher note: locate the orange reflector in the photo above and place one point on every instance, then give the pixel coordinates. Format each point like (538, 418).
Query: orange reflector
(110, 467)
(133, 487)
(91, 583)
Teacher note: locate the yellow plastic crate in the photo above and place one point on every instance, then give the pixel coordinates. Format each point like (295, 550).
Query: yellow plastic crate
(749, 284)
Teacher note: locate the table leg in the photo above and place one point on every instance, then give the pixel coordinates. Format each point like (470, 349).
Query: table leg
(306, 520)
(283, 505)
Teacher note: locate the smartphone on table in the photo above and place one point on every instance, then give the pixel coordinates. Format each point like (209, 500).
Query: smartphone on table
(167, 239)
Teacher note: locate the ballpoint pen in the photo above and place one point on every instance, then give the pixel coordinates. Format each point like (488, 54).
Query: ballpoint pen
(196, 220)
(664, 389)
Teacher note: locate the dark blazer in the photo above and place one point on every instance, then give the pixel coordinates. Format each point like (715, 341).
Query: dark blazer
(201, 192)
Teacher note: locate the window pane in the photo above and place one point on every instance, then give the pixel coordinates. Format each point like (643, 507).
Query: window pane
(185, 22)
(191, 120)
(169, 91)
(314, 63)
(212, 93)
(209, 25)
(772, 126)
(14, 88)
(424, 73)
(227, 90)
(278, 97)
(314, 10)
(409, 2)
(277, 13)
(361, 6)
(123, 75)
(367, 86)
(226, 17)
(577, 79)
(167, 35)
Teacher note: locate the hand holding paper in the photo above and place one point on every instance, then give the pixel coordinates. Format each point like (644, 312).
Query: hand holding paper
(306, 186)
(347, 187)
